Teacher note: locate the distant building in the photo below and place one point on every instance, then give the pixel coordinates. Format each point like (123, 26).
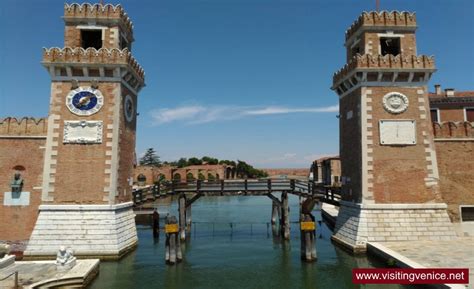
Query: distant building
(327, 170)
(451, 105)
(196, 172)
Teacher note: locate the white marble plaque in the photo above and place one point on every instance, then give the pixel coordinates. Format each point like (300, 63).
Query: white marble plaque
(81, 131)
(397, 132)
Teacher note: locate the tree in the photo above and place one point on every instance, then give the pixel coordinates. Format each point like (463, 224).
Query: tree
(194, 161)
(182, 162)
(150, 158)
(201, 177)
(210, 160)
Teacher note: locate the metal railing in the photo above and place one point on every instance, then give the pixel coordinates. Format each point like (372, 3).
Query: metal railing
(16, 286)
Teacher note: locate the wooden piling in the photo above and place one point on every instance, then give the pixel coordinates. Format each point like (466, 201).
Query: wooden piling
(275, 212)
(173, 252)
(156, 223)
(308, 238)
(285, 216)
(182, 216)
(188, 220)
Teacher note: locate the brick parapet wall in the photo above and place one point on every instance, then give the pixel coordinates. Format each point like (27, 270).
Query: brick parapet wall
(383, 19)
(98, 12)
(450, 129)
(456, 170)
(26, 126)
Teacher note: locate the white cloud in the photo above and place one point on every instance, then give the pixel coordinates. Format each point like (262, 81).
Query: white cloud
(197, 114)
(286, 110)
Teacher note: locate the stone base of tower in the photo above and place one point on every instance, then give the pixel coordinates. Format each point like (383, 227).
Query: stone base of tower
(91, 231)
(358, 224)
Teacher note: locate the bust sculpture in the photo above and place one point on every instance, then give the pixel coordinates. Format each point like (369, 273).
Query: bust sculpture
(17, 183)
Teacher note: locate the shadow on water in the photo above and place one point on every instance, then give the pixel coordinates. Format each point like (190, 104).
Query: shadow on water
(244, 255)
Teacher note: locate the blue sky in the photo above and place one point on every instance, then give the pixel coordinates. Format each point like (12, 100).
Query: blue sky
(234, 79)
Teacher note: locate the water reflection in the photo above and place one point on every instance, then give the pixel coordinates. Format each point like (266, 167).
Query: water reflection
(244, 255)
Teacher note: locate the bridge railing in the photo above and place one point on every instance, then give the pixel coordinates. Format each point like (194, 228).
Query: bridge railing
(330, 194)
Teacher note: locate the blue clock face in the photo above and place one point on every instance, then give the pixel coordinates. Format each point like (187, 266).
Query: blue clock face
(84, 101)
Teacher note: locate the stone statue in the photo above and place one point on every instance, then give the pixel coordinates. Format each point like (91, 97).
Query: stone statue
(17, 183)
(65, 258)
(4, 250)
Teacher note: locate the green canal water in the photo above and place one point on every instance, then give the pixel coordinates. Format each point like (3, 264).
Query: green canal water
(244, 255)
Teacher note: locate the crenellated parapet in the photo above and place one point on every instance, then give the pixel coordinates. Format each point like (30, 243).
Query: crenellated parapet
(26, 126)
(374, 69)
(97, 12)
(84, 64)
(383, 19)
(453, 130)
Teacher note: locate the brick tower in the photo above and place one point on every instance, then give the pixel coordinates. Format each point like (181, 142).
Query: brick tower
(389, 168)
(89, 155)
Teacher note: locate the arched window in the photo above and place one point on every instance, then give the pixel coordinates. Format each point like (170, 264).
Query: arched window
(189, 177)
(177, 177)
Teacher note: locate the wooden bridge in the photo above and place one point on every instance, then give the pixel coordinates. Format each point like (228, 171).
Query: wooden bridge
(176, 230)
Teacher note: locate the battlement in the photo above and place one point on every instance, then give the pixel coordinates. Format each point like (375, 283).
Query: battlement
(98, 12)
(451, 129)
(383, 19)
(80, 56)
(26, 126)
(388, 62)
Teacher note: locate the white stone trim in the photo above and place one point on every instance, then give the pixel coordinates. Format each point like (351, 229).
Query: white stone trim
(398, 206)
(23, 136)
(50, 150)
(464, 111)
(454, 139)
(106, 207)
(114, 152)
(365, 117)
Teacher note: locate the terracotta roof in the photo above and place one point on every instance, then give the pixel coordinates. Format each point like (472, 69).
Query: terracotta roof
(456, 94)
(327, 158)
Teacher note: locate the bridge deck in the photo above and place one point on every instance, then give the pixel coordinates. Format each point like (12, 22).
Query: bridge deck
(260, 187)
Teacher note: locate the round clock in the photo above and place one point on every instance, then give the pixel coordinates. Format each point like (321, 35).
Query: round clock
(128, 108)
(84, 101)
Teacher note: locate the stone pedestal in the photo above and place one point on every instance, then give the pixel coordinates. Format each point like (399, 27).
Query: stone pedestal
(101, 231)
(358, 224)
(6, 261)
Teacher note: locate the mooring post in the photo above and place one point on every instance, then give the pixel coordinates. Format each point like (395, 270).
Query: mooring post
(285, 216)
(275, 212)
(173, 244)
(156, 223)
(308, 238)
(188, 220)
(182, 216)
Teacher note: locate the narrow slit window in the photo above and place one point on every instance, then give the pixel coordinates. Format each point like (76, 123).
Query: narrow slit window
(390, 45)
(91, 38)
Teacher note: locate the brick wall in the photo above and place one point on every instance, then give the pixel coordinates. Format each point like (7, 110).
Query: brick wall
(78, 171)
(403, 174)
(456, 169)
(289, 172)
(17, 222)
(126, 152)
(350, 134)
